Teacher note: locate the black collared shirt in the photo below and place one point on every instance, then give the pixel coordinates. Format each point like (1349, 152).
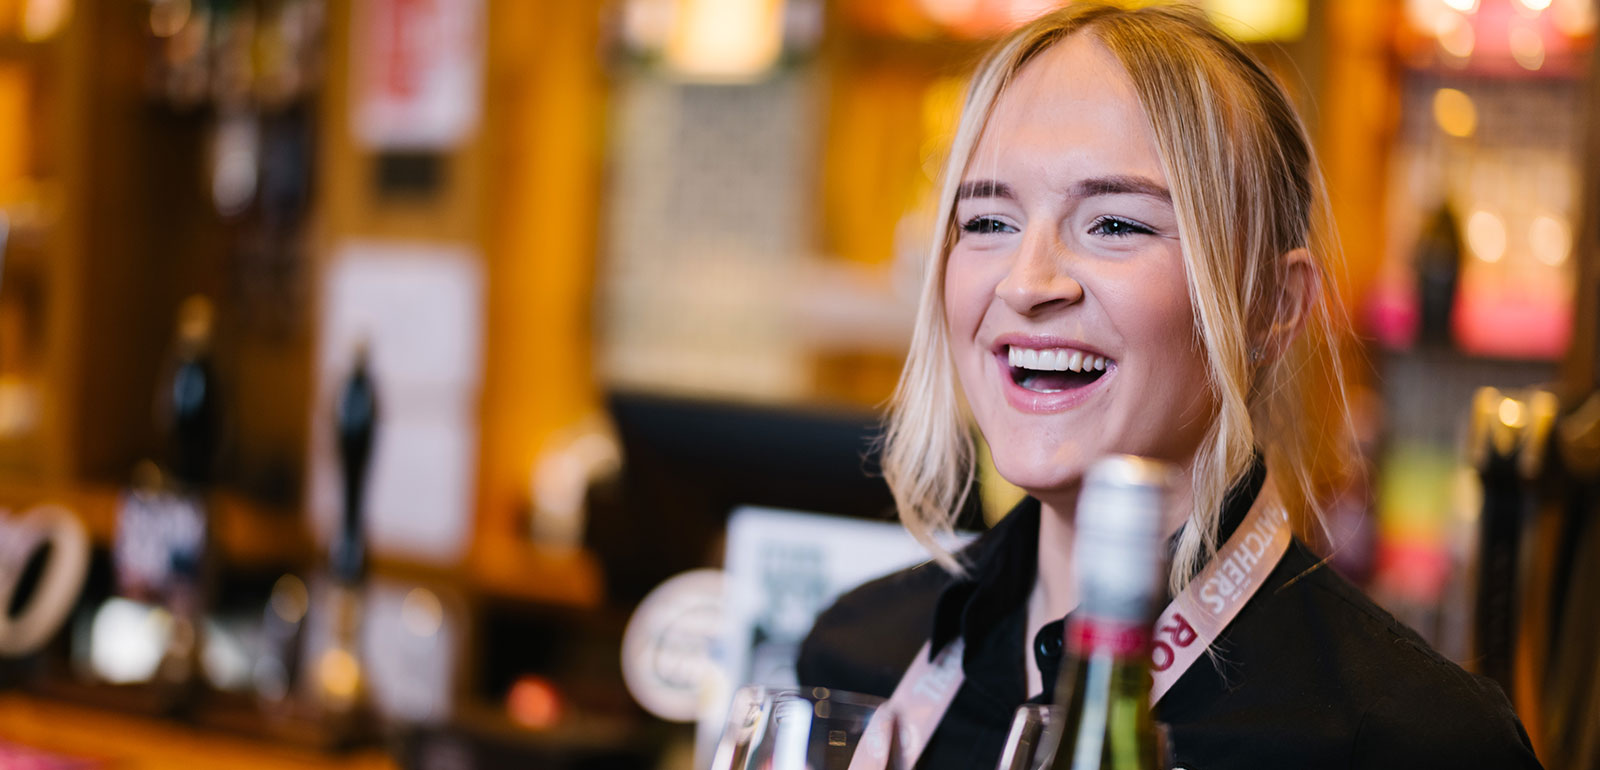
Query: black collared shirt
(1311, 674)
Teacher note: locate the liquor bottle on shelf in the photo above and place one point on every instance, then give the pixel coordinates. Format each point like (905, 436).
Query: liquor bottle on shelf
(192, 397)
(1119, 556)
(1438, 270)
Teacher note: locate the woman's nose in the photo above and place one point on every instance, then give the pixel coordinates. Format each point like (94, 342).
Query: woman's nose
(1039, 278)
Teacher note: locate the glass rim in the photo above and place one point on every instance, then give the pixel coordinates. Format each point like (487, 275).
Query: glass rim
(814, 694)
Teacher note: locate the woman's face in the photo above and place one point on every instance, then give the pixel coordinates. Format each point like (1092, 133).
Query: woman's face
(1068, 309)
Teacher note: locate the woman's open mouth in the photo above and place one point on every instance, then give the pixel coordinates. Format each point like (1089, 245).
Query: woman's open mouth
(1054, 370)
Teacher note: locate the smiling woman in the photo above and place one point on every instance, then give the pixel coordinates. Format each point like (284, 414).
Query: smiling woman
(1131, 258)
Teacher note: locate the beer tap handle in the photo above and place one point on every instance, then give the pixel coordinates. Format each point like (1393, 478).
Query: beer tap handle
(357, 420)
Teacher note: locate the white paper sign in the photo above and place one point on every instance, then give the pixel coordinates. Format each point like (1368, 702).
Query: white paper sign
(782, 569)
(417, 72)
(419, 309)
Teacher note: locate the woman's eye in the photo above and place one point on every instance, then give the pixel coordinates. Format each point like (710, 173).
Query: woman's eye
(984, 226)
(1117, 226)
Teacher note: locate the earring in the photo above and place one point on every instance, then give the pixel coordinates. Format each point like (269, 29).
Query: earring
(1256, 355)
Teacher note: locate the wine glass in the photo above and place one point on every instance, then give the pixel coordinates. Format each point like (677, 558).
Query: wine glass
(745, 716)
(1031, 741)
(806, 729)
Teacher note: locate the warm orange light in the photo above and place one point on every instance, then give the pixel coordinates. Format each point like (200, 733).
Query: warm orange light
(1456, 36)
(1486, 235)
(1455, 113)
(290, 599)
(1511, 413)
(729, 40)
(534, 702)
(42, 19)
(1550, 239)
(1527, 47)
(1575, 18)
(339, 674)
(422, 613)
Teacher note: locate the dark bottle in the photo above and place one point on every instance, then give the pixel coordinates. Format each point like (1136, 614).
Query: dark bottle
(1119, 556)
(1438, 265)
(191, 397)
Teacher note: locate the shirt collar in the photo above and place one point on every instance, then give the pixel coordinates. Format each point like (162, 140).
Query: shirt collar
(1002, 562)
(1000, 566)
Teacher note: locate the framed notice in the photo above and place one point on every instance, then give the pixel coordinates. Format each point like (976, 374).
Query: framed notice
(782, 569)
(416, 70)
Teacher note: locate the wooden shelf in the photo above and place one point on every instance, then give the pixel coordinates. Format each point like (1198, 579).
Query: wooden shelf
(15, 49)
(253, 535)
(248, 533)
(136, 742)
(517, 569)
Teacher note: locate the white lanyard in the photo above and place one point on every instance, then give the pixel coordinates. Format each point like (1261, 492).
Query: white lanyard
(1184, 630)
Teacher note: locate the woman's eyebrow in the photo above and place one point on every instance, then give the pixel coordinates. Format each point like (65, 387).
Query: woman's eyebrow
(984, 188)
(1120, 185)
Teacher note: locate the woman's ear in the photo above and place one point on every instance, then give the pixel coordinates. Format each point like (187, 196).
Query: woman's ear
(1301, 286)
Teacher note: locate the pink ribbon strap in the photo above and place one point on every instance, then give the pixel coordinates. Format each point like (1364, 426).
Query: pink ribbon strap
(1185, 629)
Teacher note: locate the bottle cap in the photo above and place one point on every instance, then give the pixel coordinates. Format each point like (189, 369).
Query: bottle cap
(1124, 497)
(1119, 545)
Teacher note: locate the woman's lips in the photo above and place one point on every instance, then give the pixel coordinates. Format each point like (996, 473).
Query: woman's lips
(1036, 402)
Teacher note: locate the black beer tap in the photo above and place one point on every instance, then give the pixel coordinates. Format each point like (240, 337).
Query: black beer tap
(357, 425)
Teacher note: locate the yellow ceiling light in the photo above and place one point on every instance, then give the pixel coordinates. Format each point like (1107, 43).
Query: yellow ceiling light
(725, 40)
(1454, 112)
(1255, 21)
(1486, 235)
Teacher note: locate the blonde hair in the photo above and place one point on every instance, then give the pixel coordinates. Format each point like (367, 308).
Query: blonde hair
(1246, 190)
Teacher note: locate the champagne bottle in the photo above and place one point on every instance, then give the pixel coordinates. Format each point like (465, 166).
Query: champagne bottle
(1119, 556)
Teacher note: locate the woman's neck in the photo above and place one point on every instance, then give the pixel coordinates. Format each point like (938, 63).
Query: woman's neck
(1055, 587)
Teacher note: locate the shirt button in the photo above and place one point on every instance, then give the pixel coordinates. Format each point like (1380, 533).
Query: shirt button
(1048, 645)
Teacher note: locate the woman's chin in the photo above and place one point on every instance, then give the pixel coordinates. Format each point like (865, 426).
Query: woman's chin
(1050, 486)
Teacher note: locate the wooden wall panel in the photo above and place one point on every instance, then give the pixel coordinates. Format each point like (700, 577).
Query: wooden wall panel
(546, 96)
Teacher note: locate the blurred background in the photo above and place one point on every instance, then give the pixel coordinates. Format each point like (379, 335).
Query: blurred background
(385, 354)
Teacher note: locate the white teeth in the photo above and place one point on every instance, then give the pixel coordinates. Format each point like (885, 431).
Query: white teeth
(1055, 360)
